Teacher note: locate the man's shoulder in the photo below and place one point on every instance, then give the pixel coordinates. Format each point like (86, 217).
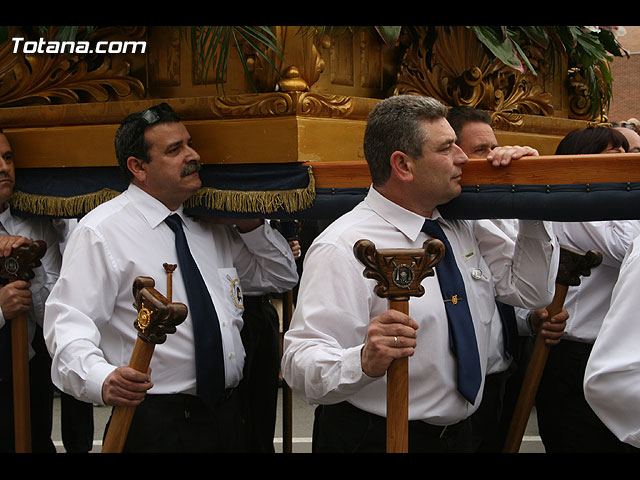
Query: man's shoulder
(108, 211)
(350, 227)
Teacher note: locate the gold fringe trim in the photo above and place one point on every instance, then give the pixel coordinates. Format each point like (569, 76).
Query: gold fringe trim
(266, 202)
(60, 206)
(255, 201)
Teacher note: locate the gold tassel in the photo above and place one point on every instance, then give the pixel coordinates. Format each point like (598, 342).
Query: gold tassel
(265, 202)
(255, 201)
(60, 206)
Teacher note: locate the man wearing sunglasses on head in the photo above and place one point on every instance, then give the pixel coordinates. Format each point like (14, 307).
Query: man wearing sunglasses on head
(89, 318)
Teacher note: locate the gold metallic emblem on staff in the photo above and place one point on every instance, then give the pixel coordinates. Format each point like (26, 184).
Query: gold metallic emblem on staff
(144, 318)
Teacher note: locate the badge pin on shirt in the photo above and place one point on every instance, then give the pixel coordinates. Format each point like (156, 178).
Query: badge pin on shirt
(477, 274)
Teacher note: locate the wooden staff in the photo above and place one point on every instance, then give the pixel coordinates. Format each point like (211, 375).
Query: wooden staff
(289, 231)
(169, 269)
(573, 265)
(157, 317)
(287, 394)
(399, 273)
(19, 265)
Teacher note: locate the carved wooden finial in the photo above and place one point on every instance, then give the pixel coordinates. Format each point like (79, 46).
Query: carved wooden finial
(20, 263)
(399, 272)
(169, 268)
(157, 316)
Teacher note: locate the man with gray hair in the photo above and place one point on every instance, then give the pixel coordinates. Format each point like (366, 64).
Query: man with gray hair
(343, 337)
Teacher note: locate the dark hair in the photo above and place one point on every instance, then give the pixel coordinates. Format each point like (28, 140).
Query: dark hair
(591, 140)
(458, 117)
(395, 124)
(130, 142)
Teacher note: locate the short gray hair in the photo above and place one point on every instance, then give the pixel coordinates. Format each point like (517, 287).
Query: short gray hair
(394, 124)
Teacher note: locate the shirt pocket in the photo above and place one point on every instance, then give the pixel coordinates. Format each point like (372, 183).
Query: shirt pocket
(231, 291)
(479, 284)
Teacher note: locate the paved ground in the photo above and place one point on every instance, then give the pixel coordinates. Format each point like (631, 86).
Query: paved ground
(302, 417)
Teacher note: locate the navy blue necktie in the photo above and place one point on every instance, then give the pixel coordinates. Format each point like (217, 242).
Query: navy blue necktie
(462, 335)
(210, 380)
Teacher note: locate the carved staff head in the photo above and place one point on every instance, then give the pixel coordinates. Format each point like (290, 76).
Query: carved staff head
(575, 264)
(157, 317)
(20, 263)
(399, 272)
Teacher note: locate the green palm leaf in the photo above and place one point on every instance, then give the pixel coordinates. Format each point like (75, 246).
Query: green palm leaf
(212, 45)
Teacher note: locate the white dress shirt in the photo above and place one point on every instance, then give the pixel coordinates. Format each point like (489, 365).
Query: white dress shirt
(321, 360)
(587, 303)
(498, 360)
(45, 276)
(89, 316)
(612, 376)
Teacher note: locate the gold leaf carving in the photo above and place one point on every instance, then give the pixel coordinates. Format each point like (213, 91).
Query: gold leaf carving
(40, 78)
(273, 104)
(266, 104)
(580, 104)
(452, 72)
(335, 105)
(458, 72)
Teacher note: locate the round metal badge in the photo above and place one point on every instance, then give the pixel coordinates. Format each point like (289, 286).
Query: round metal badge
(403, 276)
(476, 274)
(11, 265)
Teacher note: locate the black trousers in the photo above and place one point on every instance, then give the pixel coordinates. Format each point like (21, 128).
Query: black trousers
(486, 422)
(184, 424)
(41, 402)
(76, 424)
(258, 389)
(566, 422)
(343, 428)
(491, 422)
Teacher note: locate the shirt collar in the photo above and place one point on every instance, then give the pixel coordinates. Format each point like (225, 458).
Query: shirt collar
(152, 209)
(406, 221)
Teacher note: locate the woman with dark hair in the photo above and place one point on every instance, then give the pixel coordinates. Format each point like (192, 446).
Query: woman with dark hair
(593, 140)
(566, 421)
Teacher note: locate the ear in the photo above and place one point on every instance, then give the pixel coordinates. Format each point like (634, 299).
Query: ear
(138, 168)
(402, 166)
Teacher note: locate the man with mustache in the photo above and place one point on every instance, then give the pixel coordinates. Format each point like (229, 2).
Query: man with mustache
(343, 337)
(89, 317)
(190, 168)
(20, 297)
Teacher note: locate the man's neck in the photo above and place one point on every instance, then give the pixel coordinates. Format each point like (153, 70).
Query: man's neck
(403, 198)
